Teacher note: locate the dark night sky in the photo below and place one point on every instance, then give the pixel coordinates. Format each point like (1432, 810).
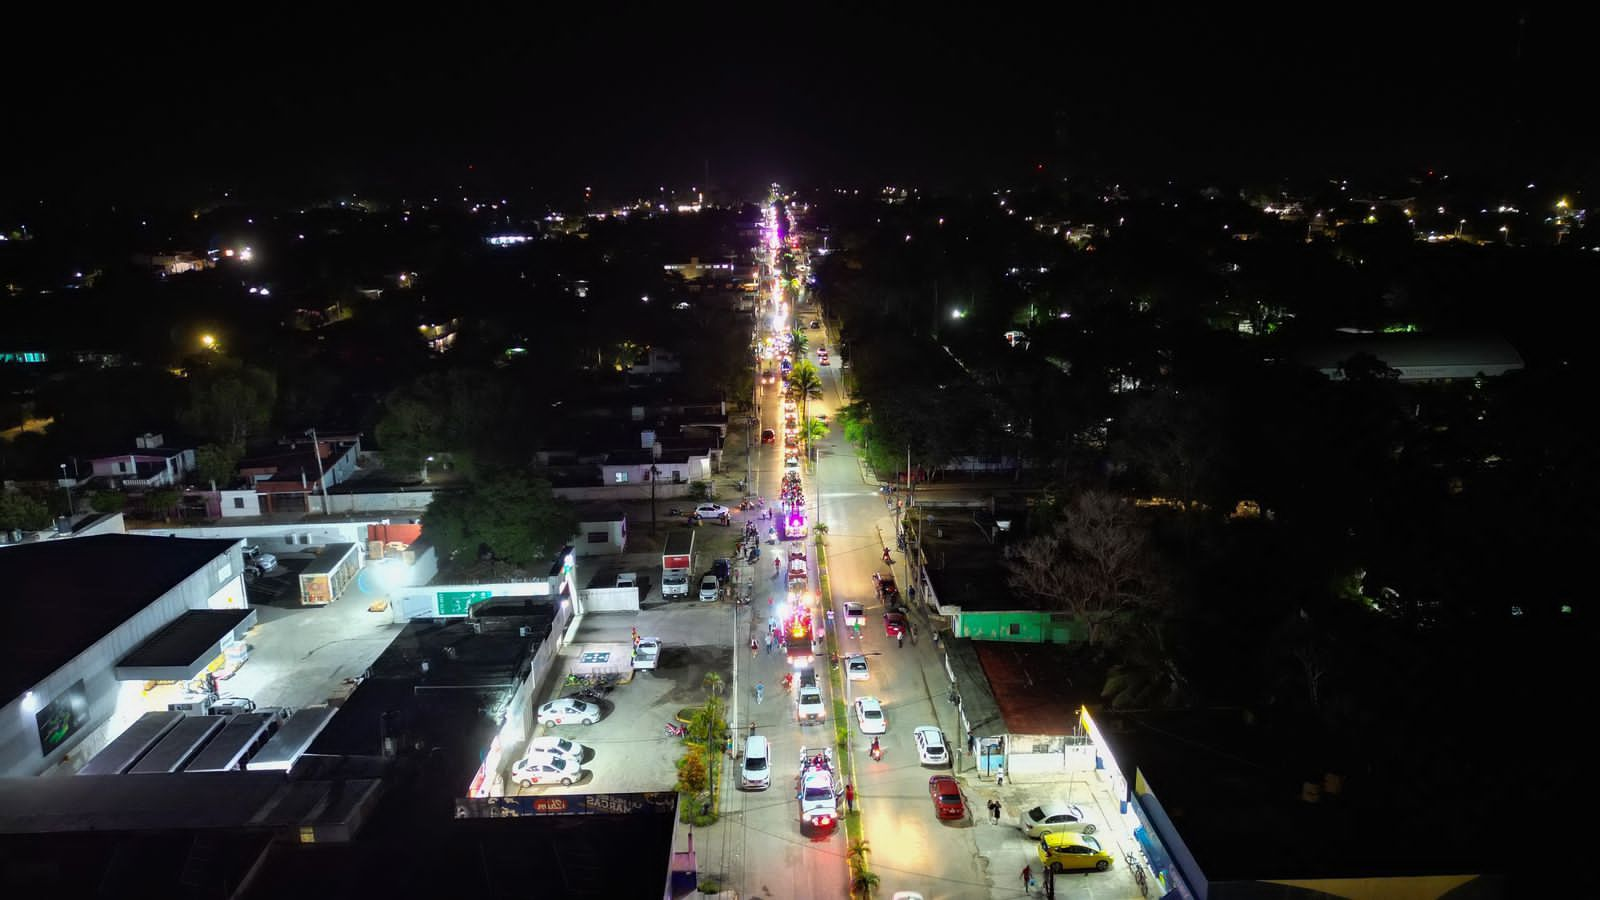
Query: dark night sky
(625, 99)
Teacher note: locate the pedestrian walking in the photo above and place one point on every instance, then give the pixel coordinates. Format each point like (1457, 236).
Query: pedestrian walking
(911, 594)
(850, 796)
(900, 639)
(994, 810)
(972, 742)
(769, 643)
(1049, 883)
(761, 691)
(1000, 776)
(752, 646)
(1027, 878)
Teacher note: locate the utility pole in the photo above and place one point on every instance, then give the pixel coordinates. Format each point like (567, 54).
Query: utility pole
(322, 478)
(653, 473)
(67, 485)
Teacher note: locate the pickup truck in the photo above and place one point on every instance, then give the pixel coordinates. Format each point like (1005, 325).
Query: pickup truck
(818, 789)
(647, 654)
(809, 708)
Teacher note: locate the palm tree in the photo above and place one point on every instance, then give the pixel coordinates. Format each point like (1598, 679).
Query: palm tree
(713, 683)
(797, 344)
(863, 882)
(806, 383)
(857, 852)
(814, 430)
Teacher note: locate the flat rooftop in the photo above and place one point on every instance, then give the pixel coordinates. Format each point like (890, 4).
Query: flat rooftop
(1230, 783)
(62, 596)
(966, 568)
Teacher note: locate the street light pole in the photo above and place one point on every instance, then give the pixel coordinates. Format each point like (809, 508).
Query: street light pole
(322, 478)
(653, 473)
(67, 485)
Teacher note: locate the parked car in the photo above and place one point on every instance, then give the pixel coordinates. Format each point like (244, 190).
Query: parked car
(647, 655)
(628, 580)
(545, 768)
(931, 747)
(567, 710)
(768, 436)
(855, 667)
(710, 511)
(557, 746)
(869, 713)
(1065, 851)
(233, 706)
(946, 795)
(708, 588)
(258, 562)
(755, 773)
(1050, 818)
(894, 624)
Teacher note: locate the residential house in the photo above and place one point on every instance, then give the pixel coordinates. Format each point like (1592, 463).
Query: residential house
(151, 464)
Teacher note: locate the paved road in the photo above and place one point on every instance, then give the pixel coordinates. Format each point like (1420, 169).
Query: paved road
(911, 848)
(765, 855)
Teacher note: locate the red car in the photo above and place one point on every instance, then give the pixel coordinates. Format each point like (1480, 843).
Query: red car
(768, 436)
(894, 624)
(946, 795)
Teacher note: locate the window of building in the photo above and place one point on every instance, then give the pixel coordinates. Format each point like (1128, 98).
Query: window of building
(238, 503)
(619, 477)
(597, 537)
(1014, 629)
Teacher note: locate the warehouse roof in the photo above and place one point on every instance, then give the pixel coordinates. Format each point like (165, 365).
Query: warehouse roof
(62, 596)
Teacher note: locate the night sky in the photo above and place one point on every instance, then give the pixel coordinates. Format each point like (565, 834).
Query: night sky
(625, 99)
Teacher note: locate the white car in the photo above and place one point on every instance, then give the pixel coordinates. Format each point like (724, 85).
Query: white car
(708, 588)
(557, 746)
(931, 748)
(808, 705)
(545, 768)
(257, 562)
(869, 712)
(567, 710)
(710, 511)
(856, 667)
(647, 655)
(1049, 818)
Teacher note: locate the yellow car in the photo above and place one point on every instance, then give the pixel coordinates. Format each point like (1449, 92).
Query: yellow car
(1066, 851)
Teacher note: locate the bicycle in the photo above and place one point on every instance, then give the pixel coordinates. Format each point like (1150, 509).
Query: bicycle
(1138, 874)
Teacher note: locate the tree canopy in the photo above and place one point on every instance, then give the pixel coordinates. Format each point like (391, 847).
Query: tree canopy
(504, 514)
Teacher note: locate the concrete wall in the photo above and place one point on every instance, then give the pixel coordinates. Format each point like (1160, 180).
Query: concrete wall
(665, 490)
(20, 754)
(1040, 757)
(423, 602)
(616, 538)
(292, 537)
(240, 503)
(593, 600)
(386, 501)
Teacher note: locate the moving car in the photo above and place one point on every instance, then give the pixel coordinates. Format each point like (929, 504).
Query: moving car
(1050, 818)
(768, 436)
(894, 624)
(544, 768)
(852, 614)
(869, 713)
(567, 710)
(856, 668)
(755, 773)
(556, 746)
(931, 748)
(1064, 851)
(710, 511)
(946, 796)
(808, 705)
(708, 588)
(822, 359)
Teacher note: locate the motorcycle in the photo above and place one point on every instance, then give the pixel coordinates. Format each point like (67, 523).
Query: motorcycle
(887, 559)
(877, 751)
(676, 730)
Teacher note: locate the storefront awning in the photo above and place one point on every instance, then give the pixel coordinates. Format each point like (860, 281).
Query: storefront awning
(184, 648)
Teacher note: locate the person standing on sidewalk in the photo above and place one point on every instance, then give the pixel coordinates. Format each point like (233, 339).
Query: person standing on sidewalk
(850, 796)
(1000, 776)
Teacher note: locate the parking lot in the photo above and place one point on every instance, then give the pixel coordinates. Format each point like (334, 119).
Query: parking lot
(629, 749)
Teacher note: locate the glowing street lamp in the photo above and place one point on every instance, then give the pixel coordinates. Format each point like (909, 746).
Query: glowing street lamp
(208, 341)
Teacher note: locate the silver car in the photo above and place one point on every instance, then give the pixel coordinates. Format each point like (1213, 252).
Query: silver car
(1050, 818)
